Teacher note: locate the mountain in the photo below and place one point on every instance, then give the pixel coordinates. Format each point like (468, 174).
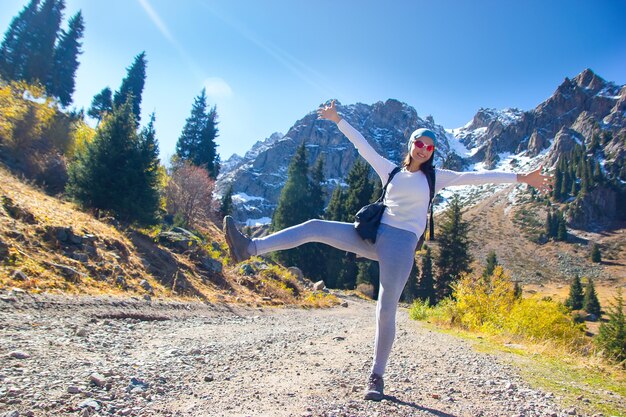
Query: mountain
(258, 177)
(582, 110)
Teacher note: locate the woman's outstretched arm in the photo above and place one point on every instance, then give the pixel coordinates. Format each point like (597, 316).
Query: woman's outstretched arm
(446, 178)
(381, 165)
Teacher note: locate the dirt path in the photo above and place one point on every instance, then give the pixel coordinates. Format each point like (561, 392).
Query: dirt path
(204, 360)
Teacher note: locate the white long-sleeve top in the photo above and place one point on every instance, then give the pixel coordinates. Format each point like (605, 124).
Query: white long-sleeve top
(407, 194)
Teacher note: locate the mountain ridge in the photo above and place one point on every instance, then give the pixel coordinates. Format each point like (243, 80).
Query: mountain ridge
(579, 108)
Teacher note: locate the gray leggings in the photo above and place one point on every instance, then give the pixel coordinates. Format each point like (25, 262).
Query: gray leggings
(394, 250)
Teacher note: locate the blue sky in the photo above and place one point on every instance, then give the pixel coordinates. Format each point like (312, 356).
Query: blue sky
(268, 63)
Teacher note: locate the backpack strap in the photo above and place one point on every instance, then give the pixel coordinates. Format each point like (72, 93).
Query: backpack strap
(391, 175)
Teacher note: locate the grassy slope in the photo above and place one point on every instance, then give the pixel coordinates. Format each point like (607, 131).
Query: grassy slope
(29, 225)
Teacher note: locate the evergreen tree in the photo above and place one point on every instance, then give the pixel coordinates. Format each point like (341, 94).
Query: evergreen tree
(15, 45)
(101, 104)
(411, 290)
(595, 253)
(549, 223)
(316, 192)
(591, 304)
(333, 258)
(311, 255)
(116, 169)
(561, 234)
(558, 183)
(360, 190)
(41, 38)
(147, 174)
(197, 141)
(612, 334)
(367, 273)
(294, 208)
(226, 206)
(575, 298)
(517, 290)
(426, 289)
(492, 262)
(132, 86)
(335, 211)
(61, 82)
(454, 257)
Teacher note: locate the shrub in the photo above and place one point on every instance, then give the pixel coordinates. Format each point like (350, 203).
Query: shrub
(611, 337)
(492, 307)
(366, 289)
(188, 194)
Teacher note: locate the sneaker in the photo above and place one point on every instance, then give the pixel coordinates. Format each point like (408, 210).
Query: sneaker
(375, 387)
(238, 243)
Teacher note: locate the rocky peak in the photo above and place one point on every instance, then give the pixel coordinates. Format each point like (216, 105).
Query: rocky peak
(590, 81)
(259, 177)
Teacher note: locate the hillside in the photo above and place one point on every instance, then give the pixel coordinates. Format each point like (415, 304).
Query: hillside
(508, 222)
(49, 245)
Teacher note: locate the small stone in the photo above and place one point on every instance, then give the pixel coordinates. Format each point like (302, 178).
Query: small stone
(571, 412)
(89, 403)
(436, 396)
(344, 304)
(19, 275)
(97, 379)
(72, 389)
(208, 378)
(145, 285)
(18, 354)
(126, 412)
(13, 413)
(319, 285)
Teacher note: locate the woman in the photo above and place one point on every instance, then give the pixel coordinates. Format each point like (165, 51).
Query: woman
(407, 201)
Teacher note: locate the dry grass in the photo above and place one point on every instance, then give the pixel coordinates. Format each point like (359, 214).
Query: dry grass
(34, 258)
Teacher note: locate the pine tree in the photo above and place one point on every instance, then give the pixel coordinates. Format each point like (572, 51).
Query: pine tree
(574, 300)
(561, 234)
(596, 256)
(311, 255)
(15, 45)
(226, 206)
(612, 334)
(549, 226)
(101, 104)
(41, 38)
(197, 141)
(132, 86)
(426, 289)
(294, 208)
(360, 190)
(333, 258)
(335, 211)
(410, 291)
(454, 257)
(591, 304)
(117, 170)
(492, 262)
(61, 82)
(558, 183)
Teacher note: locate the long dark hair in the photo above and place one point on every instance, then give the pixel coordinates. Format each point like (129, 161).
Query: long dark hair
(428, 168)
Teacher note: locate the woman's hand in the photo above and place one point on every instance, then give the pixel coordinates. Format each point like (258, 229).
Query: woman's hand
(328, 111)
(536, 179)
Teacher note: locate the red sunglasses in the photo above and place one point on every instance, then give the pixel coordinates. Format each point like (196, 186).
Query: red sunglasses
(421, 144)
